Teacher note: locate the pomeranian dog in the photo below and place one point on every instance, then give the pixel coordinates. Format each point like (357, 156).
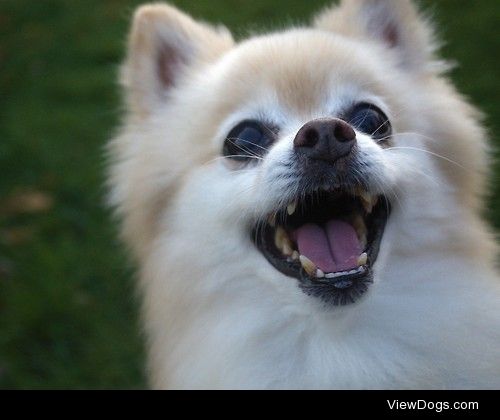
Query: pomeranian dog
(305, 206)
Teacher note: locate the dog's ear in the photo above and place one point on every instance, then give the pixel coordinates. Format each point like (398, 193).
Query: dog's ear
(165, 44)
(395, 23)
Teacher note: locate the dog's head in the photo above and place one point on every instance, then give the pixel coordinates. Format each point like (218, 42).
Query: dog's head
(293, 157)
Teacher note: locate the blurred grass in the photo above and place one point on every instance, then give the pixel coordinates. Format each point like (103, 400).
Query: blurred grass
(68, 315)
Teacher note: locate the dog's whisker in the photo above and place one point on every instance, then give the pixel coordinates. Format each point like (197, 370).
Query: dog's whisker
(233, 139)
(417, 149)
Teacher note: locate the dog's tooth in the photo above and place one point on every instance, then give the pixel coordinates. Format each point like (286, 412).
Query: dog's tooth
(365, 195)
(319, 273)
(290, 209)
(332, 275)
(279, 235)
(371, 203)
(307, 265)
(362, 259)
(367, 205)
(272, 219)
(287, 249)
(295, 255)
(367, 199)
(282, 241)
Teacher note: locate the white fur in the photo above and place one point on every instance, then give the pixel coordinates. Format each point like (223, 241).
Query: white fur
(216, 313)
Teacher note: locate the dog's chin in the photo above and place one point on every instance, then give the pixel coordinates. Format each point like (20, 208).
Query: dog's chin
(328, 240)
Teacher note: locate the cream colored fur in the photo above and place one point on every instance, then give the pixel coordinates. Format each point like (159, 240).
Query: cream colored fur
(216, 314)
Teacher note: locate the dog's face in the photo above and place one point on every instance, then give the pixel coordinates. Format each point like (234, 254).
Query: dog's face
(292, 159)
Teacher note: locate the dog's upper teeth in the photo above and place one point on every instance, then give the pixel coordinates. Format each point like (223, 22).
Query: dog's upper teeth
(362, 259)
(282, 241)
(290, 209)
(367, 199)
(368, 205)
(307, 265)
(279, 237)
(343, 273)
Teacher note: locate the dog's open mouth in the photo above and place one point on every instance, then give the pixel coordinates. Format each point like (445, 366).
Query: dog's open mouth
(328, 240)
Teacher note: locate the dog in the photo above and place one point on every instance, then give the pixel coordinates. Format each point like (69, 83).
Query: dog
(304, 206)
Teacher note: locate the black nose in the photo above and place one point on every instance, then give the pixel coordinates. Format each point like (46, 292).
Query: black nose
(325, 139)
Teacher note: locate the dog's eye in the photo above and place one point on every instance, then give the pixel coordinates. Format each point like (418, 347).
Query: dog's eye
(248, 140)
(369, 119)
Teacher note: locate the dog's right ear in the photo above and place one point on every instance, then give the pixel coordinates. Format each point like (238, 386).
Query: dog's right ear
(164, 44)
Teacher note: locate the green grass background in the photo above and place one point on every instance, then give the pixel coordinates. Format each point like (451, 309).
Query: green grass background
(68, 315)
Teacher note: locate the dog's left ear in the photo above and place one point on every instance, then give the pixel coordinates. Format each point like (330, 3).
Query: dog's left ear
(395, 23)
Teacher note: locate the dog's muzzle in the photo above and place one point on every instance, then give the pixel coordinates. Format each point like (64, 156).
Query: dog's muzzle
(328, 237)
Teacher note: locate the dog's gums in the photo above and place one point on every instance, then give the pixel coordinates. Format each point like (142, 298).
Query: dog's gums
(328, 240)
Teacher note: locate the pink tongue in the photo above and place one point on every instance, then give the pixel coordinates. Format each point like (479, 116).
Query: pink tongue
(333, 248)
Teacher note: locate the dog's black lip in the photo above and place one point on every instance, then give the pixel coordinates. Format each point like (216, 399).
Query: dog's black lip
(342, 290)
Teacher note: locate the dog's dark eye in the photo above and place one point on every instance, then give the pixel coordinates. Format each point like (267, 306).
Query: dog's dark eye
(250, 139)
(369, 119)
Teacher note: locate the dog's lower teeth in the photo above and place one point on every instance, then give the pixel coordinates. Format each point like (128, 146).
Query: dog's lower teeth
(362, 259)
(344, 273)
(295, 255)
(319, 273)
(307, 265)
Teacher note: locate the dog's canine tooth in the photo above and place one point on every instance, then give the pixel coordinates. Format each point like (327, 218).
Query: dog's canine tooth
(282, 241)
(287, 249)
(362, 259)
(307, 265)
(367, 204)
(279, 235)
(319, 273)
(295, 255)
(290, 209)
(370, 204)
(367, 199)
